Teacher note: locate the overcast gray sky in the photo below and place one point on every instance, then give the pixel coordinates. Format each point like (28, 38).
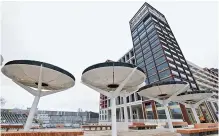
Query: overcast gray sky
(75, 35)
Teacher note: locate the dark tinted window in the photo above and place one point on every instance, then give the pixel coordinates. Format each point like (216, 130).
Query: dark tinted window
(162, 66)
(164, 74)
(153, 78)
(152, 72)
(151, 65)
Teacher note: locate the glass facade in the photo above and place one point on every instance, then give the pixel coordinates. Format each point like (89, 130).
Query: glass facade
(156, 49)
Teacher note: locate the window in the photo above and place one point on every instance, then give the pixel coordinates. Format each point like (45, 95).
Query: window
(139, 55)
(167, 28)
(177, 62)
(182, 60)
(151, 65)
(148, 60)
(157, 27)
(139, 60)
(172, 65)
(137, 48)
(183, 75)
(176, 113)
(153, 44)
(185, 66)
(175, 73)
(167, 52)
(153, 38)
(164, 31)
(158, 104)
(180, 68)
(162, 66)
(146, 44)
(173, 51)
(147, 21)
(164, 74)
(148, 54)
(153, 78)
(171, 35)
(154, 19)
(160, 60)
(142, 35)
(150, 28)
(134, 34)
(136, 41)
(167, 79)
(175, 57)
(190, 78)
(141, 64)
(159, 32)
(146, 49)
(150, 114)
(158, 47)
(187, 72)
(161, 37)
(152, 34)
(158, 54)
(144, 40)
(141, 28)
(161, 114)
(151, 72)
(169, 41)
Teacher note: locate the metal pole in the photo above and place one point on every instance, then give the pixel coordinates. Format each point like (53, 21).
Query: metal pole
(125, 113)
(168, 118)
(113, 112)
(195, 115)
(35, 104)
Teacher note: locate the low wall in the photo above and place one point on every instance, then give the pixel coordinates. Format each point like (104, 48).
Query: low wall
(159, 122)
(42, 133)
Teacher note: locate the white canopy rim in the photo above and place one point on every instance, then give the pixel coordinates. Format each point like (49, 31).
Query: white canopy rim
(108, 64)
(26, 72)
(192, 97)
(108, 75)
(162, 89)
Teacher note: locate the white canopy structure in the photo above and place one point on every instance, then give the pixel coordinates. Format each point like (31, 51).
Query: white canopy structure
(39, 79)
(163, 93)
(111, 79)
(192, 99)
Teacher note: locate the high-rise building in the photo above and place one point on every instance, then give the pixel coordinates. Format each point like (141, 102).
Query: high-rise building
(156, 49)
(157, 52)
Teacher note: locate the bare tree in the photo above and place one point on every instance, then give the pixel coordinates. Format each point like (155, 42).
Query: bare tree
(3, 101)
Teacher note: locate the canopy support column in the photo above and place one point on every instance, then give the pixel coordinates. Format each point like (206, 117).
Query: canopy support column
(169, 121)
(195, 114)
(35, 104)
(113, 112)
(125, 113)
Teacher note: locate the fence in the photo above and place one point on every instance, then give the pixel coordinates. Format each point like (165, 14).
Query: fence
(51, 123)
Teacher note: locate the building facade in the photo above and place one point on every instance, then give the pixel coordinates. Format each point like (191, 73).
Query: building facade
(207, 79)
(67, 118)
(157, 52)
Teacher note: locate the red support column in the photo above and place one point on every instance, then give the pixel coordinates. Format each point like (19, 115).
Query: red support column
(185, 114)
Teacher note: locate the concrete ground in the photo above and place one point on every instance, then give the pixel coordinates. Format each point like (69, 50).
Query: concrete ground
(155, 132)
(152, 132)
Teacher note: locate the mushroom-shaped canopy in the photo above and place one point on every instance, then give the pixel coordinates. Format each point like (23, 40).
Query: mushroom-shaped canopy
(27, 73)
(192, 97)
(161, 90)
(108, 76)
